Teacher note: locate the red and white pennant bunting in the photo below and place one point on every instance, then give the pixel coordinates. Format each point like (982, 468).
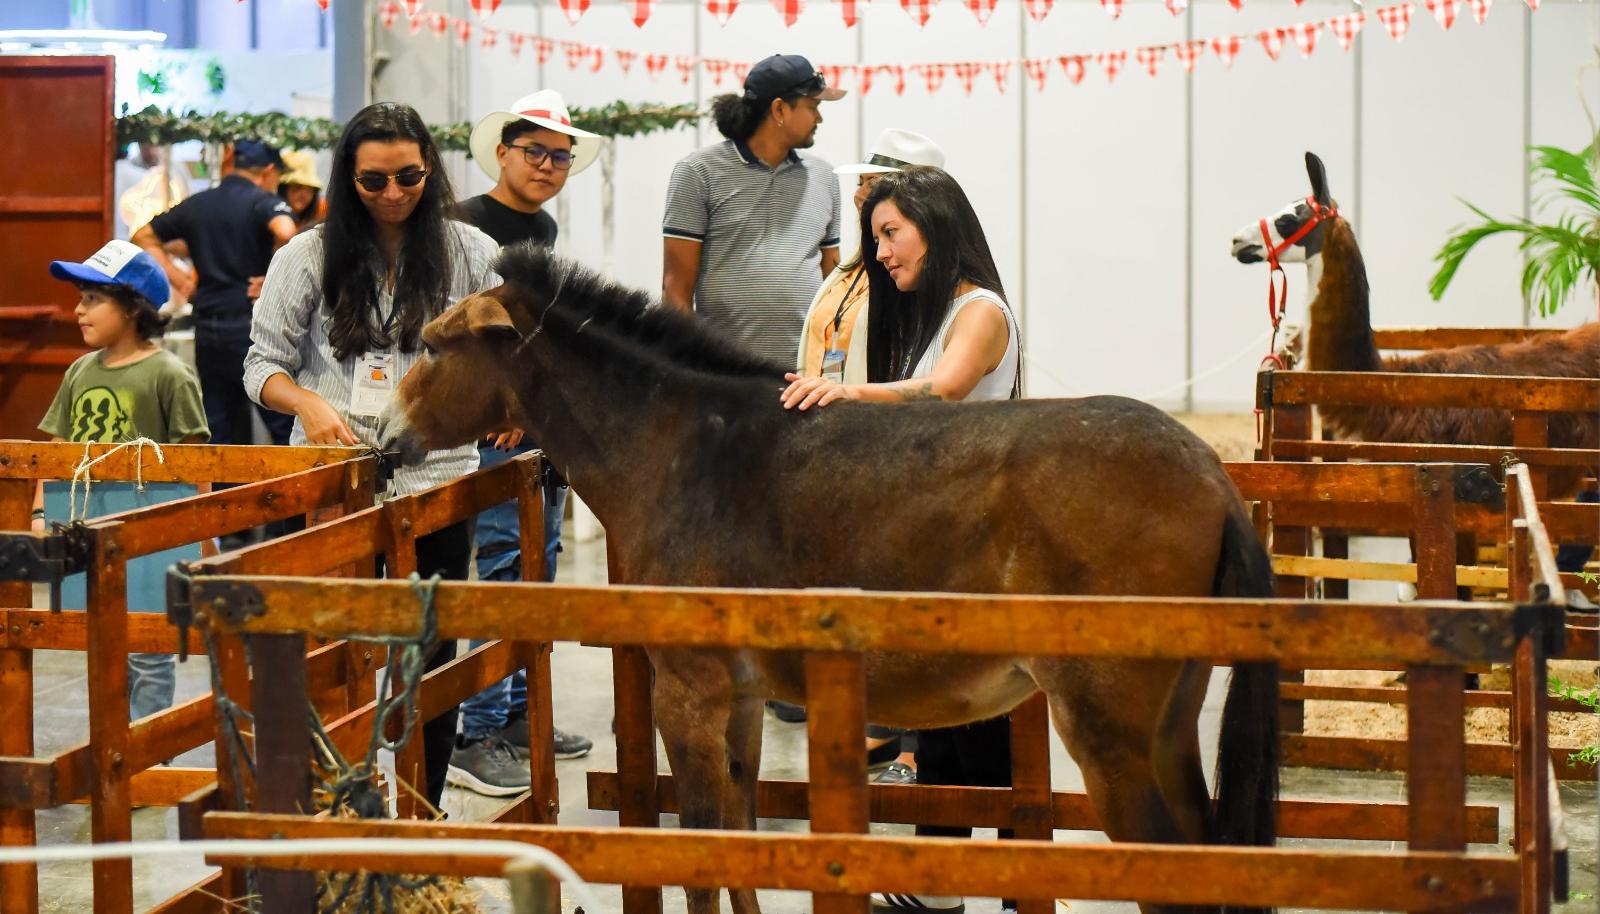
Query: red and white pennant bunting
(721, 9)
(1271, 42)
(1038, 70)
(485, 8)
(1304, 35)
(1002, 74)
(387, 14)
(641, 10)
(1073, 67)
(574, 9)
(1346, 28)
(932, 75)
(1111, 62)
(685, 67)
(967, 71)
(918, 10)
(1188, 52)
(654, 64)
(1226, 47)
(1113, 8)
(982, 9)
(1396, 19)
(1038, 9)
(1150, 58)
(1480, 9)
(1176, 7)
(1444, 11)
(790, 10)
(847, 12)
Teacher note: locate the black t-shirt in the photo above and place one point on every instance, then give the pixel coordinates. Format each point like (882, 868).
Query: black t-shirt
(226, 231)
(506, 225)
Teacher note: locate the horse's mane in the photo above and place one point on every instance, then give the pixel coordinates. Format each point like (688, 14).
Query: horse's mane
(582, 301)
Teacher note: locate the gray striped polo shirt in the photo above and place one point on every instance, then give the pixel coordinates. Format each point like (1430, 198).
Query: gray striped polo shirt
(762, 231)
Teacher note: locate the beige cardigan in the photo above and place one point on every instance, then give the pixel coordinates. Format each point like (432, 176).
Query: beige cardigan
(855, 357)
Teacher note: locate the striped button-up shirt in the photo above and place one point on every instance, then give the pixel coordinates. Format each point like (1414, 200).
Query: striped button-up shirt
(289, 335)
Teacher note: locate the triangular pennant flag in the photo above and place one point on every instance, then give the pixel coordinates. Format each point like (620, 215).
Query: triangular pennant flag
(967, 71)
(415, 23)
(1038, 9)
(918, 10)
(833, 74)
(488, 37)
(1305, 36)
(740, 70)
(864, 74)
(542, 49)
(1111, 62)
(597, 59)
(323, 5)
(1346, 28)
(721, 9)
(463, 29)
(413, 7)
(1188, 52)
(1113, 8)
(1444, 11)
(717, 69)
(1236, 4)
(387, 14)
(1480, 9)
(1150, 58)
(1002, 74)
(896, 72)
(1271, 42)
(485, 8)
(439, 23)
(1038, 69)
(932, 75)
(515, 39)
(1226, 47)
(1073, 67)
(574, 9)
(847, 12)
(641, 10)
(790, 10)
(1176, 7)
(575, 54)
(1397, 19)
(625, 60)
(685, 67)
(1532, 5)
(982, 9)
(654, 64)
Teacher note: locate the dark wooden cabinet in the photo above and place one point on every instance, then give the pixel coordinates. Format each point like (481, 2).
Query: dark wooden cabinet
(56, 156)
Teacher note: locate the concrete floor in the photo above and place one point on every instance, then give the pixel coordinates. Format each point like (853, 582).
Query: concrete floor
(583, 705)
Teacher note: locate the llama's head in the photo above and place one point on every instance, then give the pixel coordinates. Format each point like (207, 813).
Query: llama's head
(1302, 223)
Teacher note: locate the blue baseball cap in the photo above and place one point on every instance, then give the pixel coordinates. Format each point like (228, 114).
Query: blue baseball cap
(783, 75)
(255, 154)
(119, 263)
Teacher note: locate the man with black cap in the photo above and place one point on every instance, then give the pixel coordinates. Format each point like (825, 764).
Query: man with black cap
(231, 232)
(752, 226)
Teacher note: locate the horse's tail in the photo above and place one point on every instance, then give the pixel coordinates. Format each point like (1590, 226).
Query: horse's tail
(1248, 750)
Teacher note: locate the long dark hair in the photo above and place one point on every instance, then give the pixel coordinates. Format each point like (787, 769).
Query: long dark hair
(351, 262)
(901, 325)
(737, 116)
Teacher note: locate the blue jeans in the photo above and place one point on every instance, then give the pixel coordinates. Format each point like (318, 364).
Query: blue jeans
(498, 528)
(151, 677)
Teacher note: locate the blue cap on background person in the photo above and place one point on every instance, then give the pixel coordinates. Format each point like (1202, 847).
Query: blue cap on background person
(785, 75)
(119, 263)
(255, 154)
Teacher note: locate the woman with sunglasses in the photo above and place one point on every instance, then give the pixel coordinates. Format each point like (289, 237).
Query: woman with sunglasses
(341, 312)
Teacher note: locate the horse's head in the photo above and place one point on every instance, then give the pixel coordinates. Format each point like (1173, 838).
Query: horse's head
(464, 389)
(1295, 233)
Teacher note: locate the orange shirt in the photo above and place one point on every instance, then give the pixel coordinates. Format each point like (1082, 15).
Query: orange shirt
(820, 323)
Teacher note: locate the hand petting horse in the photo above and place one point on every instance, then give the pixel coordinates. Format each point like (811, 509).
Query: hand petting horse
(676, 439)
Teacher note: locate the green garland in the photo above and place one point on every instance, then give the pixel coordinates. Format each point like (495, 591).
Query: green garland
(163, 128)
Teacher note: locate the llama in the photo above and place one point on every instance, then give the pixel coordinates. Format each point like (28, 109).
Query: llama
(1340, 339)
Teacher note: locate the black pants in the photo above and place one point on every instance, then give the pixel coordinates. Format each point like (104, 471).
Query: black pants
(975, 755)
(1572, 557)
(219, 361)
(445, 553)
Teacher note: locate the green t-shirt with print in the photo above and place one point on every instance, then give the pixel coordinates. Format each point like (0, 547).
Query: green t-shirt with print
(157, 397)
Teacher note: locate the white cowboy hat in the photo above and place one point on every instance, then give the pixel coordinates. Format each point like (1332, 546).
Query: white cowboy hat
(894, 150)
(544, 108)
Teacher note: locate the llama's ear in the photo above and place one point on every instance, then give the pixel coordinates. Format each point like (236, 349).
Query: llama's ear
(486, 316)
(1319, 179)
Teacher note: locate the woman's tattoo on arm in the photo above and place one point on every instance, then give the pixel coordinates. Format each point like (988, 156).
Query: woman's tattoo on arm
(925, 392)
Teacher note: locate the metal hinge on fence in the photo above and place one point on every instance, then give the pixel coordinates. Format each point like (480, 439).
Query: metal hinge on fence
(45, 558)
(1476, 485)
(232, 603)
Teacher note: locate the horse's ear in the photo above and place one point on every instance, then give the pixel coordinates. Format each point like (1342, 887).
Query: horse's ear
(486, 316)
(1319, 179)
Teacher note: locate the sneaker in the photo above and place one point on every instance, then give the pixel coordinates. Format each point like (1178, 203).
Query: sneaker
(896, 773)
(567, 745)
(788, 713)
(937, 904)
(489, 766)
(882, 756)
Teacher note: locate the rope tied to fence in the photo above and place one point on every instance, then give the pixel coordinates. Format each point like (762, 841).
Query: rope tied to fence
(81, 471)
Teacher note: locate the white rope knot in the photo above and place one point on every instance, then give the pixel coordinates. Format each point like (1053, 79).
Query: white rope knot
(81, 472)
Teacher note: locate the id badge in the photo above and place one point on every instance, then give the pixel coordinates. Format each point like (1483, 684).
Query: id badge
(833, 365)
(373, 384)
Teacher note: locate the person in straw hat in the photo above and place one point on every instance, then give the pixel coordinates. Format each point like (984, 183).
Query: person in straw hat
(302, 190)
(529, 150)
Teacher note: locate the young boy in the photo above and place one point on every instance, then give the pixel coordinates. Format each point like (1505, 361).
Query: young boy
(128, 388)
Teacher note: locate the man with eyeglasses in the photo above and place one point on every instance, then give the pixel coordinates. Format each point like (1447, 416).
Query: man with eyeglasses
(751, 225)
(529, 151)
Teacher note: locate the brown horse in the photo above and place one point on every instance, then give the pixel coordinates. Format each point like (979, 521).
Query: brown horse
(678, 442)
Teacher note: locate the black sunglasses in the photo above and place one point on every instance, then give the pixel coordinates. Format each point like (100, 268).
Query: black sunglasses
(375, 183)
(535, 154)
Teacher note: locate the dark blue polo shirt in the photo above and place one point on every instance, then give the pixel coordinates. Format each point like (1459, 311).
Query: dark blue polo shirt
(226, 231)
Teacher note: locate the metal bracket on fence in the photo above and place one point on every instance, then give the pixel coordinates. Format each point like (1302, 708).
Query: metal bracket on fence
(180, 610)
(1264, 389)
(231, 603)
(1475, 485)
(388, 462)
(45, 558)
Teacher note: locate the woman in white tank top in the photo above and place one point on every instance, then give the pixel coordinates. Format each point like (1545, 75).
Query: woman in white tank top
(938, 323)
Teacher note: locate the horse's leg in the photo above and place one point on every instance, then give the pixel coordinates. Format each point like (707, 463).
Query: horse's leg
(1175, 754)
(1111, 715)
(693, 703)
(744, 769)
